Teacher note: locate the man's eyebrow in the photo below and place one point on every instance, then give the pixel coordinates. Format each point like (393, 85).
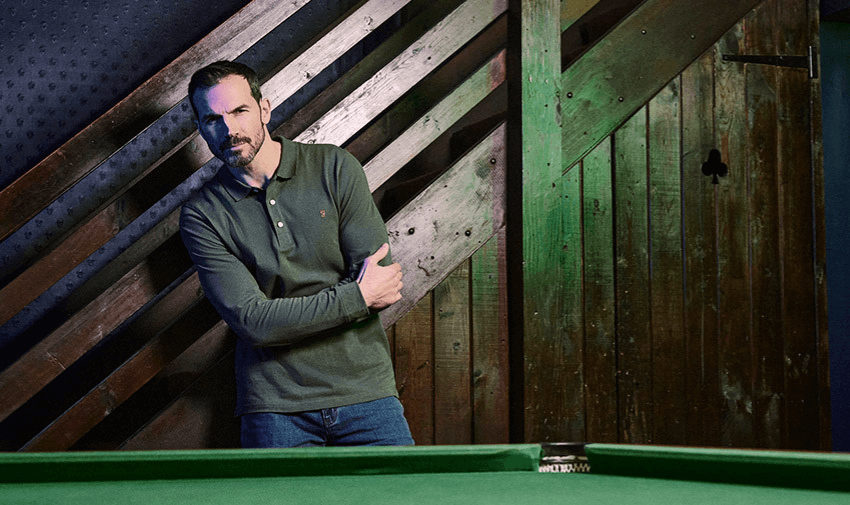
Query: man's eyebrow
(213, 115)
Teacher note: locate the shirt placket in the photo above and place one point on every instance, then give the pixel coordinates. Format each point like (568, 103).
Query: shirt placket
(277, 215)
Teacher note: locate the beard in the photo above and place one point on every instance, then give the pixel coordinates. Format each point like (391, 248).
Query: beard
(245, 155)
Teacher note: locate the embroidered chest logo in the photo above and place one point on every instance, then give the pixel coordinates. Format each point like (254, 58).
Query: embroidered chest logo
(322, 213)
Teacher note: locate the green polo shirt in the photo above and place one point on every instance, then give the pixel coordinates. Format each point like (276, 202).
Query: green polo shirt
(280, 266)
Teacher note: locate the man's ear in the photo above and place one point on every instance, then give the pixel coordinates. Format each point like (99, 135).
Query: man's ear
(265, 110)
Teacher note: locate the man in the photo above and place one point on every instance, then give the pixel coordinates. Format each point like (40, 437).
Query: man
(291, 251)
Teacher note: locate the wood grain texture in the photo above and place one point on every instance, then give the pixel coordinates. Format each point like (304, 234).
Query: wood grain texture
(449, 221)
(489, 327)
(114, 390)
(796, 202)
(59, 350)
(734, 282)
(634, 333)
(669, 400)
(700, 253)
(397, 77)
(761, 81)
(534, 112)
(452, 359)
(600, 352)
(414, 368)
(608, 84)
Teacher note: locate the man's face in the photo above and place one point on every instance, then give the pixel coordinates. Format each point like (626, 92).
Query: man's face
(231, 121)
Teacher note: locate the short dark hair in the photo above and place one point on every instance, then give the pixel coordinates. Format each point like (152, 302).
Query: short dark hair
(213, 73)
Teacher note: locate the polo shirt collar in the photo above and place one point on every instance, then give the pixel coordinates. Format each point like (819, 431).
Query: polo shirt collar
(285, 170)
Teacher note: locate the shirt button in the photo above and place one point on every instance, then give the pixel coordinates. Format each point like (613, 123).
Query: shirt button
(272, 202)
(280, 224)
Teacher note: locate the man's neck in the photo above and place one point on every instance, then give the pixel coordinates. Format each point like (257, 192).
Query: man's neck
(262, 168)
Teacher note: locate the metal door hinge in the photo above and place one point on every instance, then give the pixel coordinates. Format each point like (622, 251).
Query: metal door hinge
(809, 62)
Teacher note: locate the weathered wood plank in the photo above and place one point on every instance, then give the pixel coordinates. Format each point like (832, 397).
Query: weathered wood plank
(536, 222)
(700, 242)
(431, 125)
(42, 184)
(669, 401)
(734, 283)
(634, 333)
(425, 14)
(609, 84)
(51, 268)
(184, 424)
(110, 393)
(59, 350)
(397, 77)
(797, 238)
(768, 368)
(334, 42)
(600, 357)
(414, 369)
(452, 357)
(490, 342)
(449, 221)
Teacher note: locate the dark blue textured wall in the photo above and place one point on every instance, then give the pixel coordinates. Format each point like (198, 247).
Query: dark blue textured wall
(66, 62)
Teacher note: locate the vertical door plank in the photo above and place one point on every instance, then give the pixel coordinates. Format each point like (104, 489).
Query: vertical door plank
(414, 368)
(600, 352)
(797, 237)
(634, 336)
(569, 382)
(733, 248)
(700, 242)
(452, 386)
(768, 365)
(668, 367)
(490, 342)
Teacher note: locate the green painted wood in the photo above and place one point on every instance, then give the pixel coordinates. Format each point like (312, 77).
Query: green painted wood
(669, 397)
(700, 254)
(634, 336)
(489, 326)
(534, 109)
(600, 357)
(624, 70)
(734, 282)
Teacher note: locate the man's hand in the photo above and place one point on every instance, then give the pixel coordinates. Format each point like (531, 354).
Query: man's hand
(380, 286)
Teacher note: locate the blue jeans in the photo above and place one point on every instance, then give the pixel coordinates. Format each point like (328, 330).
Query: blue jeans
(379, 422)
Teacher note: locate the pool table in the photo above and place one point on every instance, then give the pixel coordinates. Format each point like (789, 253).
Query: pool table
(490, 474)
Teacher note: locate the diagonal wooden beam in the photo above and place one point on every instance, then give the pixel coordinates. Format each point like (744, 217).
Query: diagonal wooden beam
(631, 64)
(448, 221)
(46, 181)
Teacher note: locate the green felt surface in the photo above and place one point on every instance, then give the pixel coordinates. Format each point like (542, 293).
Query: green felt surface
(813, 470)
(424, 475)
(455, 488)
